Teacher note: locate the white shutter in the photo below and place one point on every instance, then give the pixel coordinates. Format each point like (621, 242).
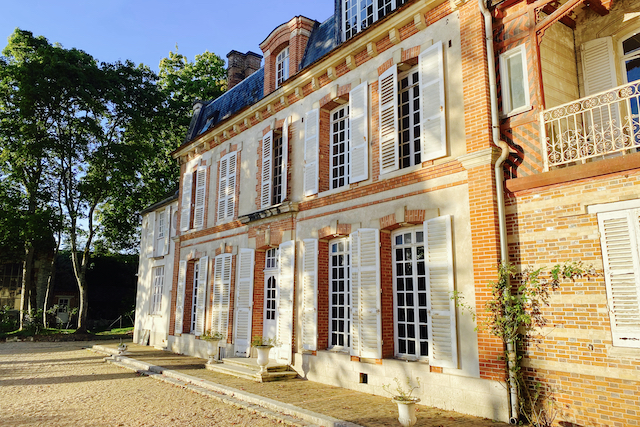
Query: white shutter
(359, 133)
(231, 185)
(221, 285)
(222, 188)
(151, 226)
(286, 270)
(598, 66)
(366, 329)
(201, 187)
(285, 158)
(443, 348)
(267, 170)
(620, 240)
(599, 73)
(432, 108)
(182, 280)
(311, 135)
(310, 294)
(185, 207)
(203, 267)
(388, 88)
(167, 231)
(244, 303)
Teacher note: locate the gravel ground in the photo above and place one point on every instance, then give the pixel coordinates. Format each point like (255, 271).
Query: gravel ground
(61, 384)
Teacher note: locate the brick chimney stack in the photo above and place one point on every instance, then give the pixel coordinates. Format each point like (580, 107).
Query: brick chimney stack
(241, 65)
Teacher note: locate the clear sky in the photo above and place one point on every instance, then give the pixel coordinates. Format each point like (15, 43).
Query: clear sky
(144, 31)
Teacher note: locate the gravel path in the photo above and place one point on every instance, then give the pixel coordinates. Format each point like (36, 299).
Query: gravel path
(61, 384)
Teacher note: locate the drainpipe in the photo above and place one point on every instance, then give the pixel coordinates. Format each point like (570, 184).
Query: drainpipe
(495, 128)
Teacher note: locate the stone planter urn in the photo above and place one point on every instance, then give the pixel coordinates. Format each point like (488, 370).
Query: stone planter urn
(407, 411)
(263, 357)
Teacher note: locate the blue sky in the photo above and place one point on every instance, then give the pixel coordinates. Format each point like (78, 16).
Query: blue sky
(145, 31)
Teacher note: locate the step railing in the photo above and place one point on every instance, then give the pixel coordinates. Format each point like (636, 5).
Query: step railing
(596, 126)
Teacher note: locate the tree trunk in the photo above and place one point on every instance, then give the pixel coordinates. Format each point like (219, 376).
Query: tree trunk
(27, 283)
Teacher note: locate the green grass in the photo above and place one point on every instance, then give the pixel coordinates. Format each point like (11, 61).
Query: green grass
(115, 333)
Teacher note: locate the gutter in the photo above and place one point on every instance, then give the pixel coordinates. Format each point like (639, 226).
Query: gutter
(499, 177)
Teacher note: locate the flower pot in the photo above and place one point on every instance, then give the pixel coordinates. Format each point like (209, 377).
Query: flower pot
(212, 351)
(263, 357)
(407, 411)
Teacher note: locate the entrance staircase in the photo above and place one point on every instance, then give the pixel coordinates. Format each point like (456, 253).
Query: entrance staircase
(247, 368)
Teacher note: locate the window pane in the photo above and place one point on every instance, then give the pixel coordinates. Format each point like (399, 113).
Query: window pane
(516, 81)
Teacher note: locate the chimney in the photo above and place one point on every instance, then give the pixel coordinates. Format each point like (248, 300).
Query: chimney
(241, 65)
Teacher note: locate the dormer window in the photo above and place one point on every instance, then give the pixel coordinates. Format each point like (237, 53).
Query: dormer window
(282, 66)
(359, 14)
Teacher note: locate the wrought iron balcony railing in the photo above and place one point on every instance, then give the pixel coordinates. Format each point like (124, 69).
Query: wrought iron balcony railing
(595, 126)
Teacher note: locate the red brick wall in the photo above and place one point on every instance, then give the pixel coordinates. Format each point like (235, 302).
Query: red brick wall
(188, 299)
(386, 284)
(257, 314)
(323, 294)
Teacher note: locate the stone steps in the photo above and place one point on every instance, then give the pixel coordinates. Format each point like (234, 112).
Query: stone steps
(248, 368)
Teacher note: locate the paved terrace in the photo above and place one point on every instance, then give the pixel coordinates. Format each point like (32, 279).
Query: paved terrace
(329, 405)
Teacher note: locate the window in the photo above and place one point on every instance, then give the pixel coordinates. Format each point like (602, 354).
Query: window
(339, 147)
(194, 301)
(409, 119)
(158, 232)
(339, 294)
(194, 190)
(515, 81)
(410, 287)
(227, 187)
(221, 293)
(282, 66)
(360, 14)
(620, 240)
(270, 294)
(275, 148)
(412, 112)
(161, 229)
(158, 284)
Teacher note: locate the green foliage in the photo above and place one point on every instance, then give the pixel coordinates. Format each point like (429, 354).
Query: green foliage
(8, 320)
(259, 341)
(401, 391)
(212, 336)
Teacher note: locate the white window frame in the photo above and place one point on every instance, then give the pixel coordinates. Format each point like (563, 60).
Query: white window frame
(339, 137)
(411, 116)
(505, 79)
(158, 288)
(359, 6)
(194, 298)
(270, 272)
(282, 66)
(346, 293)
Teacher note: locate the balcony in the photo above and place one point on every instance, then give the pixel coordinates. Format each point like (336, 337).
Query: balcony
(597, 126)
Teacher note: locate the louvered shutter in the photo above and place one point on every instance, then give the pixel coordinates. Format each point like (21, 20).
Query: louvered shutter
(201, 186)
(203, 268)
(388, 87)
(432, 111)
(285, 158)
(151, 226)
(182, 280)
(167, 231)
(221, 285)
(599, 72)
(185, 208)
(286, 270)
(359, 133)
(231, 185)
(443, 347)
(222, 188)
(620, 240)
(244, 303)
(311, 134)
(310, 294)
(365, 290)
(267, 170)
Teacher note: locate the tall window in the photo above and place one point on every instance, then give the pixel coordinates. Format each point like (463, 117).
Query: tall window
(339, 294)
(409, 119)
(276, 181)
(158, 284)
(282, 66)
(340, 147)
(270, 297)
(411, 295)
(194, 304)
(360, 14)
(515, 82)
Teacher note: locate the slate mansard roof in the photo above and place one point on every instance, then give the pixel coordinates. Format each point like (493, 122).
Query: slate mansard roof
(323, 39)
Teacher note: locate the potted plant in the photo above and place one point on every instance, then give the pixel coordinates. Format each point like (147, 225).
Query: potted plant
(212, 339)
(263, 345)
(403, 397)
